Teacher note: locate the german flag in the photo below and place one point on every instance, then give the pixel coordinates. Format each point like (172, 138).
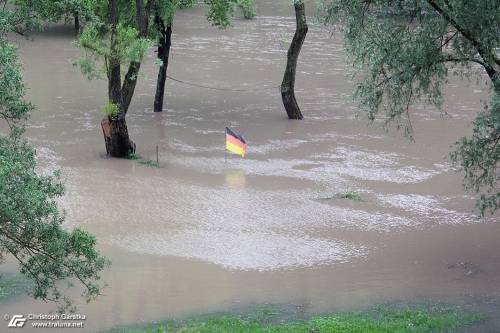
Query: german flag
(235, 143)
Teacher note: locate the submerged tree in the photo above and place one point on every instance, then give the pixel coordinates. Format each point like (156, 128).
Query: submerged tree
(163, 20)
(405, 49)
(30, 222)
(219, 14)
(118, 38)
(66, 9)
(288, 84)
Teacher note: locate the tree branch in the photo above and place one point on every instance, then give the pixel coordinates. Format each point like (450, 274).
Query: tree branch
(468, 35)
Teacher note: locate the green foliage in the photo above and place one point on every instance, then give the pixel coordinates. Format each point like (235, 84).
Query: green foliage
(403, 52)
(35, 12)
(248, 8)
(129, 46)
(378, 321)
(30, 221)
(134, 156)
(110, 110)
(150, 163)
(31, 228)
(350, 195)
(220, 12)
(13, 108)
(166, 9)
(95, 45)
(479, 157)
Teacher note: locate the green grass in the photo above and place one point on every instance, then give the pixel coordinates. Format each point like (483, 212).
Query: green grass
(148, 163)
(13, 285)
(381, 320)
(350, 195)
(134, 157)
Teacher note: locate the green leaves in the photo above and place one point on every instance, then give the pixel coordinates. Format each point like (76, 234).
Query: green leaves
(402, 52)
(30, 222)
(247, 7)
(110, 110)
(220, 12)
(478, 157)
(166, 9)
(96, 48)
(31, 231)
(13, 108)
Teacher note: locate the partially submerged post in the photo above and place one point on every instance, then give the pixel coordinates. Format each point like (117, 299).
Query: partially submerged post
(288, 85)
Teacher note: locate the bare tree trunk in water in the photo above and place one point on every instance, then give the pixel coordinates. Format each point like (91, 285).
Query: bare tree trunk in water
(118, 144)
(288, 85)
(164, 43)
(77, 21)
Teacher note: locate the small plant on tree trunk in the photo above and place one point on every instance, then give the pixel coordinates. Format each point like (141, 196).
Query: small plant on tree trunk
(116, 40)
(288, 85)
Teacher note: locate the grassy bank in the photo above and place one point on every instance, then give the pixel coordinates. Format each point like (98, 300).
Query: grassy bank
(387, 319)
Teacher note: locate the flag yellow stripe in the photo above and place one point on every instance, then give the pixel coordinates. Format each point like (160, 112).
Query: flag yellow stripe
(237, 142)
(235, 149)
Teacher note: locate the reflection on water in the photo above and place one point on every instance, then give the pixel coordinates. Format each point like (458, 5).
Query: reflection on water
(206, 232)
(235, 179)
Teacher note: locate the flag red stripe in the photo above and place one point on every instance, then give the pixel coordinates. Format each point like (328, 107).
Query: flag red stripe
(235, 141)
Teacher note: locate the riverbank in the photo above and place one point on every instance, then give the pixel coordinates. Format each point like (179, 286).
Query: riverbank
(387, 318)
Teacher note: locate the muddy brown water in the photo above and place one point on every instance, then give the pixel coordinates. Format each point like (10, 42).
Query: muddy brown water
(205, 233)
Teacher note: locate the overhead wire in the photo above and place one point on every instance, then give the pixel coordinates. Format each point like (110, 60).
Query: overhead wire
(219, 88)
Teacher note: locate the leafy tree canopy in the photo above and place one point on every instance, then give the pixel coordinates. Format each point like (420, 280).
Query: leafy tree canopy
(95, 42)
(30, 222)
(404, 50)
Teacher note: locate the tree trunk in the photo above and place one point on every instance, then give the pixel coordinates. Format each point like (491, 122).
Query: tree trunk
(118, 143)
(164, 43)
(116, 137)
(77, 21)
(288, 85)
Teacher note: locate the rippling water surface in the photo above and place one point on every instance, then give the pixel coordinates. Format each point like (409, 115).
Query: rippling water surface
(207, 231)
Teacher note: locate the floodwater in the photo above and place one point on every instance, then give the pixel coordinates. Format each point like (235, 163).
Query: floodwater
(209, 232)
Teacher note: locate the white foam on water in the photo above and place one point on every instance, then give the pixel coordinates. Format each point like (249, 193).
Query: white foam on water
(337, 166)
(428, 207)
(261, 251)
(238, 228)
(375, 166)
(47, 160)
